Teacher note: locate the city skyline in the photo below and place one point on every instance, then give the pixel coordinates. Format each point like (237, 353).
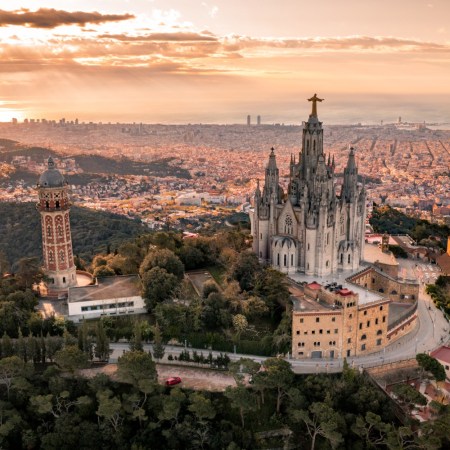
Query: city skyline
(217, 62)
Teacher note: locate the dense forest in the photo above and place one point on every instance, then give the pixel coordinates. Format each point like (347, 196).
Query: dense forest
(386, 219)
(48, 402)
(92, 231)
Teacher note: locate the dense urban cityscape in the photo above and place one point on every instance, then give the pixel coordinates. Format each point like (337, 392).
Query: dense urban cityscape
(403, 165)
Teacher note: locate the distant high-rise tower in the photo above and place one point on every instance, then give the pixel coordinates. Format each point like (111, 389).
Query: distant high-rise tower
(54, 207)
(249, 119)
(399, 119)
(258, 120)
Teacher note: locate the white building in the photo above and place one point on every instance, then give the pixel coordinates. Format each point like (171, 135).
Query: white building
(110, 296)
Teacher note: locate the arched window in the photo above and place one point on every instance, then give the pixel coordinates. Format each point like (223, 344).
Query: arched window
(379, 332)
(288, 224)
(363, 337)
(57, 204)
(49, 231)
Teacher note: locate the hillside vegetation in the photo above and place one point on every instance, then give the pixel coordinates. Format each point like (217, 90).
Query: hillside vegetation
(90, 164)
(92, 231)
(386, 219)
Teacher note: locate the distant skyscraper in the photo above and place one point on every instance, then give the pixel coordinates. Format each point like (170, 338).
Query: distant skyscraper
(249, 119)
(54, 207)
(399, 119)
(258, 120)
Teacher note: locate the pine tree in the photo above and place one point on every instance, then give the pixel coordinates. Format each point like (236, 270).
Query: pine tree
(158, 347)
(136, 340)
(7, 346)
(102, 342)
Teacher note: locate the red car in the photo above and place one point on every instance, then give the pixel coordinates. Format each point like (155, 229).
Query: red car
(172, 381)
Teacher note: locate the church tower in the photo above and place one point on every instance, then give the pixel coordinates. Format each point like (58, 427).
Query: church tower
(311, 229)
(54, 207)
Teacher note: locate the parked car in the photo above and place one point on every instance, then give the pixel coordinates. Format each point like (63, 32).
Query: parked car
(172, 381)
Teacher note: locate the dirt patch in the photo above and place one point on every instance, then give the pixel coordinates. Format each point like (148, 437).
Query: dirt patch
(192, 377)
(196, 378)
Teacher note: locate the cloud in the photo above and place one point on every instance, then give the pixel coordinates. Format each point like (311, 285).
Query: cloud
(335, 43)
(52, 18)
(166, 37)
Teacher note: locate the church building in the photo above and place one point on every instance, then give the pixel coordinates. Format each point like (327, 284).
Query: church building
(311, 228)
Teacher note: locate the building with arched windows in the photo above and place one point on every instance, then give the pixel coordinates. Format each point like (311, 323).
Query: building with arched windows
(310, 229)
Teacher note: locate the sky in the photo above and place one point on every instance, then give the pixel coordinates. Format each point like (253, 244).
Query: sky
(215, 61)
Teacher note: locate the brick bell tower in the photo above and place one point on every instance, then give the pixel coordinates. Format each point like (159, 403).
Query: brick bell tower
(54, 207)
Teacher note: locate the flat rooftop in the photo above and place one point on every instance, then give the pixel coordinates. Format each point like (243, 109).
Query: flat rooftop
(108, 288)
(373, 253)
(365, 296)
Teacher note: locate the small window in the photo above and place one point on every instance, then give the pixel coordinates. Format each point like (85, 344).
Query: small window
(363, 337)
(335, 331)
(378, 341)
(320, 331)
(298, 332)
(328, 331)
(360, 326)
(301, 320)
(363, 347)
(365, 313)
(333, 319)
(376, 321)
(317, 319)
(350, 316)
(379, 332)
(381, 308)
(368, 323)
(384, 319)
(349, 340)
(300, 353)
(313, 332)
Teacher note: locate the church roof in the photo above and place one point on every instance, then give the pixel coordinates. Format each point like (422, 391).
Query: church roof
(52, 177)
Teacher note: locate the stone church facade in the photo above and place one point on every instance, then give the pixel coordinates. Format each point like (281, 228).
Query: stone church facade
(311, 228)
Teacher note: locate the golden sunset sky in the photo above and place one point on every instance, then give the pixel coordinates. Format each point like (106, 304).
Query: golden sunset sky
(180, 61)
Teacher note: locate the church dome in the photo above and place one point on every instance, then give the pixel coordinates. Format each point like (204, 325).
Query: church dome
(52, 177)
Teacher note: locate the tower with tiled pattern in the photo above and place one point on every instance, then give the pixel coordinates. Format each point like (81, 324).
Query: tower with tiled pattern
(54, 208)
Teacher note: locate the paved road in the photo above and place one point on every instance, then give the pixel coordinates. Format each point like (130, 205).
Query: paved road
(431, 331)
